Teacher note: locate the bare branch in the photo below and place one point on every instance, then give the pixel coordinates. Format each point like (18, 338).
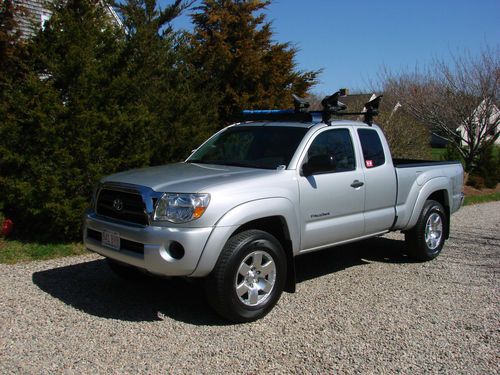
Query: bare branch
(459, 100)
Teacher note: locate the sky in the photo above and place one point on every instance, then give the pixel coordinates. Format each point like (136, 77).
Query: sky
(354, 41)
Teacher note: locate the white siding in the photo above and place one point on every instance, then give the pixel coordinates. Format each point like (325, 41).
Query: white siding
(35, 12)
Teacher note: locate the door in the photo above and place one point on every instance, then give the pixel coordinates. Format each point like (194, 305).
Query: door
(332, 192)
(380, 182)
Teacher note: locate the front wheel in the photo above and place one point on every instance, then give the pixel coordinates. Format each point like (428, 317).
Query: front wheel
(426, 239)
(249, 277)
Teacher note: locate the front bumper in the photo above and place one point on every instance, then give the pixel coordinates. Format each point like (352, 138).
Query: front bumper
(147, 247)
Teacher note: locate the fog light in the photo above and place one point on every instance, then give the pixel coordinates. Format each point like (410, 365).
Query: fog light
(176, 250)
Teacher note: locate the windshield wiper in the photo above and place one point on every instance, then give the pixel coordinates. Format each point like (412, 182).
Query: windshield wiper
(228, 163)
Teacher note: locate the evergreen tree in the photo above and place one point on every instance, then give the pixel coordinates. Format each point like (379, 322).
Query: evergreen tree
(233, 48)
(59, 126)
(164, 80)
(93, 99)
(12, 72)
(9, 40)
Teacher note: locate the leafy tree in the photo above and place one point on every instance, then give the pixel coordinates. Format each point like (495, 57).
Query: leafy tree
(233, 48)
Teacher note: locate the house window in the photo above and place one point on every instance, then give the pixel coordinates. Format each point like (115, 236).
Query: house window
(44, 17)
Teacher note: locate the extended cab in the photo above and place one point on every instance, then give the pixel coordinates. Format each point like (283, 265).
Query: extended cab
(259, 193)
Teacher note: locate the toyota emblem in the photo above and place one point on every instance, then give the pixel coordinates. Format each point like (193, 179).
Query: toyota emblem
(118, 204)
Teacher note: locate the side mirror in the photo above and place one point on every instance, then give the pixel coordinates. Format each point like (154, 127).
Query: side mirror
(318, 164)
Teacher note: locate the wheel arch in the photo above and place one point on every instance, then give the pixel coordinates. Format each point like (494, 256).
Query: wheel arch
(442, 197)
(275, 216)
(437, 189)
(278, 228)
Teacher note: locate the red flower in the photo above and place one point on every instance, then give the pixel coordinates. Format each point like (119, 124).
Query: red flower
(7, 226)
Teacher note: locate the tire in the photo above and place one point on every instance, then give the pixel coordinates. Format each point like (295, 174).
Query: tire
(248, 278)
(426, 239)
(125, 272)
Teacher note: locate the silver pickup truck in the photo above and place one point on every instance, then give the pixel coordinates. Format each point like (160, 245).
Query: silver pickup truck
(257, 194)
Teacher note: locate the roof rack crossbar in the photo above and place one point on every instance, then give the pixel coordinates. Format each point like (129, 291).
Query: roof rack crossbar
(331, 107)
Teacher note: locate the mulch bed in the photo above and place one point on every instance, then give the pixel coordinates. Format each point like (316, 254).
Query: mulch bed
(470, 191)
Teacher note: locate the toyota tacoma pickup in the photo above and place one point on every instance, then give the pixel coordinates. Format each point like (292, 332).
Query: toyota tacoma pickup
(258, 193)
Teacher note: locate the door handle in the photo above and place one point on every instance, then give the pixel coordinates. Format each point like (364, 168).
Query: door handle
(356, 184)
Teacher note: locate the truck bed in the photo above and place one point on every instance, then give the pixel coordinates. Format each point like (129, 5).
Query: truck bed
(413, 174)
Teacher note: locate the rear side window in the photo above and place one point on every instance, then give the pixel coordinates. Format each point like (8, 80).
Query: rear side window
(373, 152)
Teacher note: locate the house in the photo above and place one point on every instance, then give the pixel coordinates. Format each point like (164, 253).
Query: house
(36, 12)
(477, 123)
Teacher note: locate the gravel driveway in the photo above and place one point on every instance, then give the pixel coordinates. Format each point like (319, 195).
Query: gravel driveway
(363, 308)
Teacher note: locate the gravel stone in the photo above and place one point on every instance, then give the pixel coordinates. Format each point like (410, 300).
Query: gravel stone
(362, 308)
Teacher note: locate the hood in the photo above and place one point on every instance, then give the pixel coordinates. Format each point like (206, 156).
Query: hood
(185, 177)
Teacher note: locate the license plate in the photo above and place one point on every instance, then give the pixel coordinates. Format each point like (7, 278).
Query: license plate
(111, 239)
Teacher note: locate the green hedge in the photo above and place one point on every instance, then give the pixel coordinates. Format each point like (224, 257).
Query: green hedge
(82, 100)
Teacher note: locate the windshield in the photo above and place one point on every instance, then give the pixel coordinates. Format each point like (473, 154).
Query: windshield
(267, 147)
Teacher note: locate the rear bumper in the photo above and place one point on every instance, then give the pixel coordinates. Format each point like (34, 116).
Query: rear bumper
(147, 247)
(458, 201)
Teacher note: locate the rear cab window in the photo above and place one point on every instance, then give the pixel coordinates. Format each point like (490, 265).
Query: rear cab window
(373, 151)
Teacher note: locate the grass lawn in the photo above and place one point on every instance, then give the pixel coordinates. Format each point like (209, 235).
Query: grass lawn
(474, 199)
(437, 153)
(16, 251)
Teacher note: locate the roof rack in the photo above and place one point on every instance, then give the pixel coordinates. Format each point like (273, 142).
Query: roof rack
(331, 107)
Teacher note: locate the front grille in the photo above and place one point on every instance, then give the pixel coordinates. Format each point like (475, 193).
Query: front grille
(135, 247)
(131, 208)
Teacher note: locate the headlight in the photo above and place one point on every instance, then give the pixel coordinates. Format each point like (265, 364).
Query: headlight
(181, 208)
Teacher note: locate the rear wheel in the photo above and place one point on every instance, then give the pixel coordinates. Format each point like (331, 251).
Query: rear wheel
(426, 239)
(249, 277)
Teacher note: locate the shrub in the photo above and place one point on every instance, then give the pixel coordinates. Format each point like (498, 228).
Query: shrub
(488, 166)
(451, 153)
(476, 182)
